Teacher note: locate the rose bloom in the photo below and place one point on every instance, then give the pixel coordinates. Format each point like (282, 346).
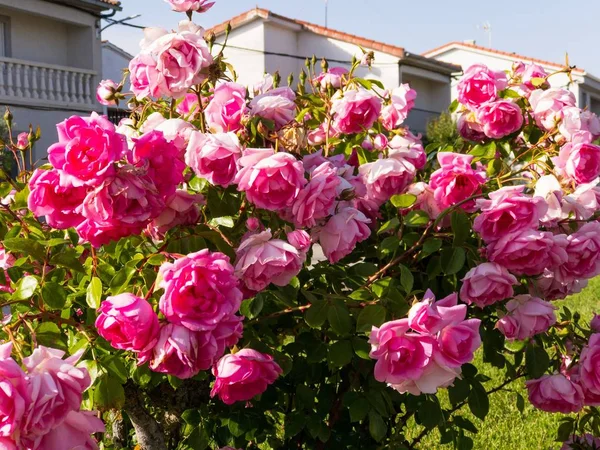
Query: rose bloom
(528, 72)
(343, 231)
(7, 444)
(200, 290)
(575, 121)
(243, 375)
(457, 343)
(14, 393)
(529, 252)
(589, 369)
(455, 181)
(500, 118)
(53, 197)
(429, 316)
(105, 93)
(526, 316)
(425, 199)
(355, 111)
(200, 6)
(23, 141)
(433, 378)
(587, 441)
(176, 131)
(547, 105)
(214, 157)
(271, 181)
(479, 84)
(469, 128)
(226, 107)
(548, 287)
(595, 323)
(142, 71)
(584, 254)
(74, 433)
(410, 148)
(262, 260)
(331, 78)
(579, 161)
(277, 105)
(386, 177)
(555, 393)
(402, 101)
(300, 239)
(128, 323)
(182, 208)
(487, 284)
(508, 210)
(86, 150)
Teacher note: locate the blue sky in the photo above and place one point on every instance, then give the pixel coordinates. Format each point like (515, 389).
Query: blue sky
(541, 29)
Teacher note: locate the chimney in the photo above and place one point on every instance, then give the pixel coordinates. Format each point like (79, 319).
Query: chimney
(470, 41)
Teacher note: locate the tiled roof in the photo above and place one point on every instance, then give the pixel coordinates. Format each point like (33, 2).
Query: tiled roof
(112, 2)
(436, 51)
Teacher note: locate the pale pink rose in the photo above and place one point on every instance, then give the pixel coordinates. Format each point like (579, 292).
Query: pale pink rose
(277, 105)
(500, 118)
(128, 323)
(243, 375)
(181, 208)
(547, 106)
(262, 260)
(589, 370)
(343, 231)
(425, 199)
(584, 254)
(548, 287)
(433, 378)
(316, 200)
(200, 290)
(595, 323)
(226, 107)
(555, 393)
(14, 393)
(410, 148)
(508, 210)
(6, 259)
(578, 161)
(402, 100)
(469, 128)
(487, 284)
(429, 316)
(387, 177)
(355, 111)
(87, 148)
(529, 252)
(143, 75)
(214, 157)
(270, 180)
(582, 203)
(319, 136)
(331, 78)
(575, 121)
(455, 181)
(53, 196)
(264, 85)
(23, 141)
(299, 239)
(72, 434)
(527, 73)
(526, 316)
(457, 343)
(548, 187)
(105, 93)
(586, 441)
(479, 84)
(199, 6)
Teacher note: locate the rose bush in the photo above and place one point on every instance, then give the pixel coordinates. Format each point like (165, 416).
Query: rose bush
(263, 267)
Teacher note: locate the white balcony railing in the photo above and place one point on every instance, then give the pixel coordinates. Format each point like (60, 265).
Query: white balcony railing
(45, 85)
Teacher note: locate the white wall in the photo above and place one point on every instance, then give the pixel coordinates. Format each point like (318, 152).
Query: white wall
(250, 66)
(113, 63)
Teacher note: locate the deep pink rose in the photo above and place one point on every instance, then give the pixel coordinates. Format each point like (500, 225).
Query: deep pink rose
(271, 180)
(469, 128)
(199, 6)
(356, 111)
(214, 156)
(402, 100)
(243, 375)
(342, 232)
(487, 284)
(128, 323)
(226, 107)
(429, 316)
(176, 131)
(331, 78)
(72, 434)
(500, 118)
(529, 252)
(316, 200)
(457, 343)
(387, 177)
(587, 441)
(8, 444)
(182, 208)
(200, 290)
(455, 181)
(262, 260)
(547, 105)
(14, 393)
(526, 316)
(579, 161)
(575, 121)
(105, 93)
(548, 287)
(589, 370)
(508, 210)
(479, 84)
(277, 105)
(595, 323)
(408, 147)
(86, 149)
(555, 393)
(584, 254)
(54, 197)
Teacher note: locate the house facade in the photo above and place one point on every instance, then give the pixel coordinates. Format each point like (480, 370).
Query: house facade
(50, 61)
(114, 61)
(584, 85)
(264, 42)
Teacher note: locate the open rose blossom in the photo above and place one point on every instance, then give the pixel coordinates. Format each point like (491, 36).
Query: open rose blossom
(277, 105)
(487, 284)
(500, 118)
(74, 433)
(457, 343)
(243, 375)
(226, 107)
(128, 323)
(14, 393)
(469, 129)
(182, 208)
(555, 393)
(579, 161)
(526, 316)
(200, 290)
(587, 441)
(331, 78)
(576, 121)
(583, 254)
(430, 316)
(479, 84)
(402, 100)
(548, 104)
(387, 177)
(355, 111)
(342, 232)
(409, 148)
(548, 287)
(425, 199)
(589, 370)
(199, 6)
(527, 72)
(214, 156)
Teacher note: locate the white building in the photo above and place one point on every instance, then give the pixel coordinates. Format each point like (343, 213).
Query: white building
(263, 42)
(50, 61)
(585, 86)
(114, 61)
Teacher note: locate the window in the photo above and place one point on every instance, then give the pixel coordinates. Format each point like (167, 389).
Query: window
(5, 47)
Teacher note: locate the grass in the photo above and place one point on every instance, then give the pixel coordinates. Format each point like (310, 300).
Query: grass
(505, 428)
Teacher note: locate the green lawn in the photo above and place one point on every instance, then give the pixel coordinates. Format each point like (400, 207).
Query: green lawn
(505, 428)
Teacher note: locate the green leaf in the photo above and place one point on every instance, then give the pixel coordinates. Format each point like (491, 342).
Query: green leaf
(362, 294)
(121, 280)
(377, 427)
(461, 227)
(49, 335)
(431, 245)
(403, 200)
(115, 367)
(459, 391)
(54, 295)
(390, 225)
(416, 218)
(479, 403)
(340, 353)
(305, 397)
(339, 318)
(520, 403)
(196, 440)
(25, 288)
(225, 221)
(361, 347)
(453, 259)
(252, 307)
(407, 279)
(294, 424)
(68, 260)
(359, 409)
(465, 424)
(369, 316)
(93, 295)
(109, 393)
(537, 361)
(316, 315)
(28, 247)
(565, 431)
(429, 414)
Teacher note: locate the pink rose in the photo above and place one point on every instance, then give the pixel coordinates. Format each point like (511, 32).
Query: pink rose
(86, 149)
(529, 252)
(584, 254)
(299, 239)
(479, 85)
(53, 197)
(128, 323)
(331, 78)
(526, 316)
(271, 180)
(200, 290)
(14, 393)
(7, 444)
(342, 232)
(262, 260)
(469, 128)
(182, 208)
(579, 161)
(425, 199)
(355, 111)
(429, 316)
(105, 93)
(264, 85)
(277, 105)
(226, 107)
(508, 211)
(547, 106)
(528, 73)
(455, 181)
(74, 433)
(575, 121)
(243, 375)
(410, 148)
(555, 393)
(214, 156)
(433, 378)
(189, 106)
(402, 101)
(176, 131)
(589, 370)
(142, 73)
(487, 284)
(595, 323)
(387, 177)
(581, 442)
(23, 141)
(200, 6)
(548, 287)
(500, 118)
(457, 343)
